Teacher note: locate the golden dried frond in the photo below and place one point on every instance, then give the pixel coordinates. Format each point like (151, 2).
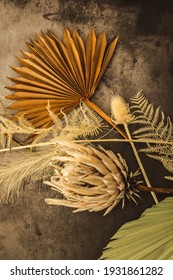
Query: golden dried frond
(63, 72)
(90, 179)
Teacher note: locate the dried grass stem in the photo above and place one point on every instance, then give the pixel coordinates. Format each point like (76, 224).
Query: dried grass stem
(51, 143)
(139, 162)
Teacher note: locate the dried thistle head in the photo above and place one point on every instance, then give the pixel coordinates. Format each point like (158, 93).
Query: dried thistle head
(120, 110)
(90, 179)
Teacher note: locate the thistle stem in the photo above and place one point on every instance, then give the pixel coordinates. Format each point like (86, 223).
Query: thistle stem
(139, 161)
(104, 116)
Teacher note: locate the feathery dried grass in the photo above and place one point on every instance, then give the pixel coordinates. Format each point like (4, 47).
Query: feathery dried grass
(22, 166)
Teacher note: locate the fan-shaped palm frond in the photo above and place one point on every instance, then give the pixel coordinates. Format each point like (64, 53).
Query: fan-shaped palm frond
(148, 238)
(62, 72)
(154, 126)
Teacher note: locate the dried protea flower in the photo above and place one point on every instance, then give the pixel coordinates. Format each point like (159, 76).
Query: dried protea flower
(90, 179)
(120, 110)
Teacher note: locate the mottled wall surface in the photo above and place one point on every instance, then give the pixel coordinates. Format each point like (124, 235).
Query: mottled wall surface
(30, 229)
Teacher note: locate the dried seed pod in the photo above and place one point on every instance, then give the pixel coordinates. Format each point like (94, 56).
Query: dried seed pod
(120, 110)
(90, 179)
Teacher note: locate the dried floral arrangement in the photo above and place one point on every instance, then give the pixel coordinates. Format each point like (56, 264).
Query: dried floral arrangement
(55, 113)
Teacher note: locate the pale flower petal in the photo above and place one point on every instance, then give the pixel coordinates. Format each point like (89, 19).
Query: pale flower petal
(84, 185)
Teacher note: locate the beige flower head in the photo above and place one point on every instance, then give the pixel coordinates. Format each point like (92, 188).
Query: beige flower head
(120, 111)
(90, 179)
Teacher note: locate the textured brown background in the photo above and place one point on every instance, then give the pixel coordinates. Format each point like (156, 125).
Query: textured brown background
(30, 229)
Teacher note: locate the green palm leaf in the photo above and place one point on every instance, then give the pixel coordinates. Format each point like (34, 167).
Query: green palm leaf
(148, 238)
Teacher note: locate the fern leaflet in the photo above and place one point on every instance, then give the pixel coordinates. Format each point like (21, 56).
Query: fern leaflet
(154, 125)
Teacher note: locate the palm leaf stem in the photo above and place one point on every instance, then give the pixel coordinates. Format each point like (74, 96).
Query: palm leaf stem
(139, 162)
(104, 116)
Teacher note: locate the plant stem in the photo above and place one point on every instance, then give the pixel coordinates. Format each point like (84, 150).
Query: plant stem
(139, 162)
(51, 143)
(154, 189)
(125, 141)
(104, 116)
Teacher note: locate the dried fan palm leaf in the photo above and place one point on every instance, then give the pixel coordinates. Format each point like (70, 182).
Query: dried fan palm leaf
(90, 179)
(62, 72)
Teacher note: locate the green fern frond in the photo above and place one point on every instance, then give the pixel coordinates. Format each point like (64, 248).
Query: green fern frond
(148, 238)
(154, 126)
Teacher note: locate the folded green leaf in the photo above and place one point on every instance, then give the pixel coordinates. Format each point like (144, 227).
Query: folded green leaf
(148, 238)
